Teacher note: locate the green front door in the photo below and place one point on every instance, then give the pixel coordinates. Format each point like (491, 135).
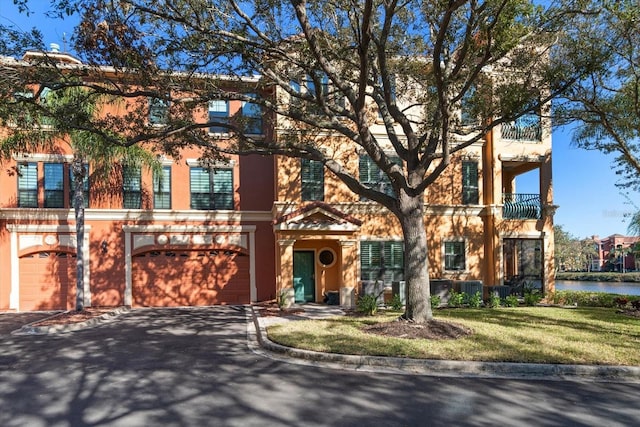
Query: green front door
(303, 276)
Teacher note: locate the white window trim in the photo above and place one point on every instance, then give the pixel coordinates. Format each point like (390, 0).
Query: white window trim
(45, 158)
(217, 164)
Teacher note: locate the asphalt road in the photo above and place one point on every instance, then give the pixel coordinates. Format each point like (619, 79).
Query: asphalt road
(193, 367)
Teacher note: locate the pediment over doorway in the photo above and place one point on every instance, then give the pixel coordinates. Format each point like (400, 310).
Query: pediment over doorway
(317, 216)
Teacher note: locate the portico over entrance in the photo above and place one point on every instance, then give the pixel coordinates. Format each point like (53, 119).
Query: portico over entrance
(316, 255)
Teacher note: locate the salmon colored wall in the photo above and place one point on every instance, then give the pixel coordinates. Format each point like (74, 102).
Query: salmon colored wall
(256, 172)
(265, 262)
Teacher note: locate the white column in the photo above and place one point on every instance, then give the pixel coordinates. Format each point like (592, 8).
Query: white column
(14, 295)
(128, 293)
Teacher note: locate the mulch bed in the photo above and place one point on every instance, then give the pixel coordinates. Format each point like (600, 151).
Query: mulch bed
(73, 316)
(432, 330)
(271, 309)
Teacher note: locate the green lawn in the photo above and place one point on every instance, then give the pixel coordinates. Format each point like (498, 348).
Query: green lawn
(524, 334)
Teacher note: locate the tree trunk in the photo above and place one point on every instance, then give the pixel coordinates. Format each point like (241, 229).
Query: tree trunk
(79, 172)
(416, 263)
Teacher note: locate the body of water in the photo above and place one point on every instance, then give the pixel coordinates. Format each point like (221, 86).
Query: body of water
(624, 288)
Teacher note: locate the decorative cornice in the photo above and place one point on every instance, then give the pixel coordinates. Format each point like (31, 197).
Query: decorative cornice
(42, 214)
(188, 228)
(318, 207)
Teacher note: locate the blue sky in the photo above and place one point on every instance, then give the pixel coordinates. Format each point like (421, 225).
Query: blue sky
(583, 181)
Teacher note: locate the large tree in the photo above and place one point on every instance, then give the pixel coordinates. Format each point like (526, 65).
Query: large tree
(332, 68)
(38, 118)
(604, 106)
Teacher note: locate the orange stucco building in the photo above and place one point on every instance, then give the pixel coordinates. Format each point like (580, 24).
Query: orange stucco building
(254, 228)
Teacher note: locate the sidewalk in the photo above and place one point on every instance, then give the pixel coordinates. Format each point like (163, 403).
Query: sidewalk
(257, 325)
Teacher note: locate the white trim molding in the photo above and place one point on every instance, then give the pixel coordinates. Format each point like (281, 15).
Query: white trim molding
(36, 214)
(215, 164)
(15, 229)
(47, 158)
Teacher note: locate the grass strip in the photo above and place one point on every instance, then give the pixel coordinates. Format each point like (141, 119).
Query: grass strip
(595, 336)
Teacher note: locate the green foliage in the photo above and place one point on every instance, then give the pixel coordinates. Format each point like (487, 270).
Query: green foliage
(605, 102)
(282, 299)
(395, 303)
(456, 299)
(532, 297)
(367, 304)
(494, 300)
(592, 299)
(511, 301)
(570, 252)
(475, 300)
(435, 301)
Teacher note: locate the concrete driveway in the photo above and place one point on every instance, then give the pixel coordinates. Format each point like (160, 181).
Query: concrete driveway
(193, 367)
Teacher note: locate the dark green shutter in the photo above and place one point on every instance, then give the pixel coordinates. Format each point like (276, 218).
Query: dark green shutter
(28, 185)
(312, 180)
(470, 194)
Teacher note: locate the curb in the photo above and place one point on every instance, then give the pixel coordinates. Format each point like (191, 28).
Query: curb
(449, 368)
(53, 329)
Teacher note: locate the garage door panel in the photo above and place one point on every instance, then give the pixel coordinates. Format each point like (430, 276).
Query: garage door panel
(190, 278)
(47, 281)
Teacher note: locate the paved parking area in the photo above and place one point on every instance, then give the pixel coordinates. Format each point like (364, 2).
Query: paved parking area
(193, 367)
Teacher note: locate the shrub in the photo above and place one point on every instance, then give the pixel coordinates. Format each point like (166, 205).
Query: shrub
(435, 301)
(494, 300)
(621, 302)
(590, 299)
(456, 299)
(367, 304)
(475, 300)
(531, 298)
(635, 304)
(395, 303)
(511, 301)
(282, 299)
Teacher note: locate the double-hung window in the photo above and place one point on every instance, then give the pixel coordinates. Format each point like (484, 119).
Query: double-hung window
(382, 260)
(312, 180)
(373, 177)
(85, 186)
(454, 256)
(252, 117)
(218, 116)
(211, 188)
(28, 185)
(158, 111)
(162, 188)
(53, 185)
(131, 187)
(470, 194)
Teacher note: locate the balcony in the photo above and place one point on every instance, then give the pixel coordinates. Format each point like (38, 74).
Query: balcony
(521, 206)
(525, 128)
